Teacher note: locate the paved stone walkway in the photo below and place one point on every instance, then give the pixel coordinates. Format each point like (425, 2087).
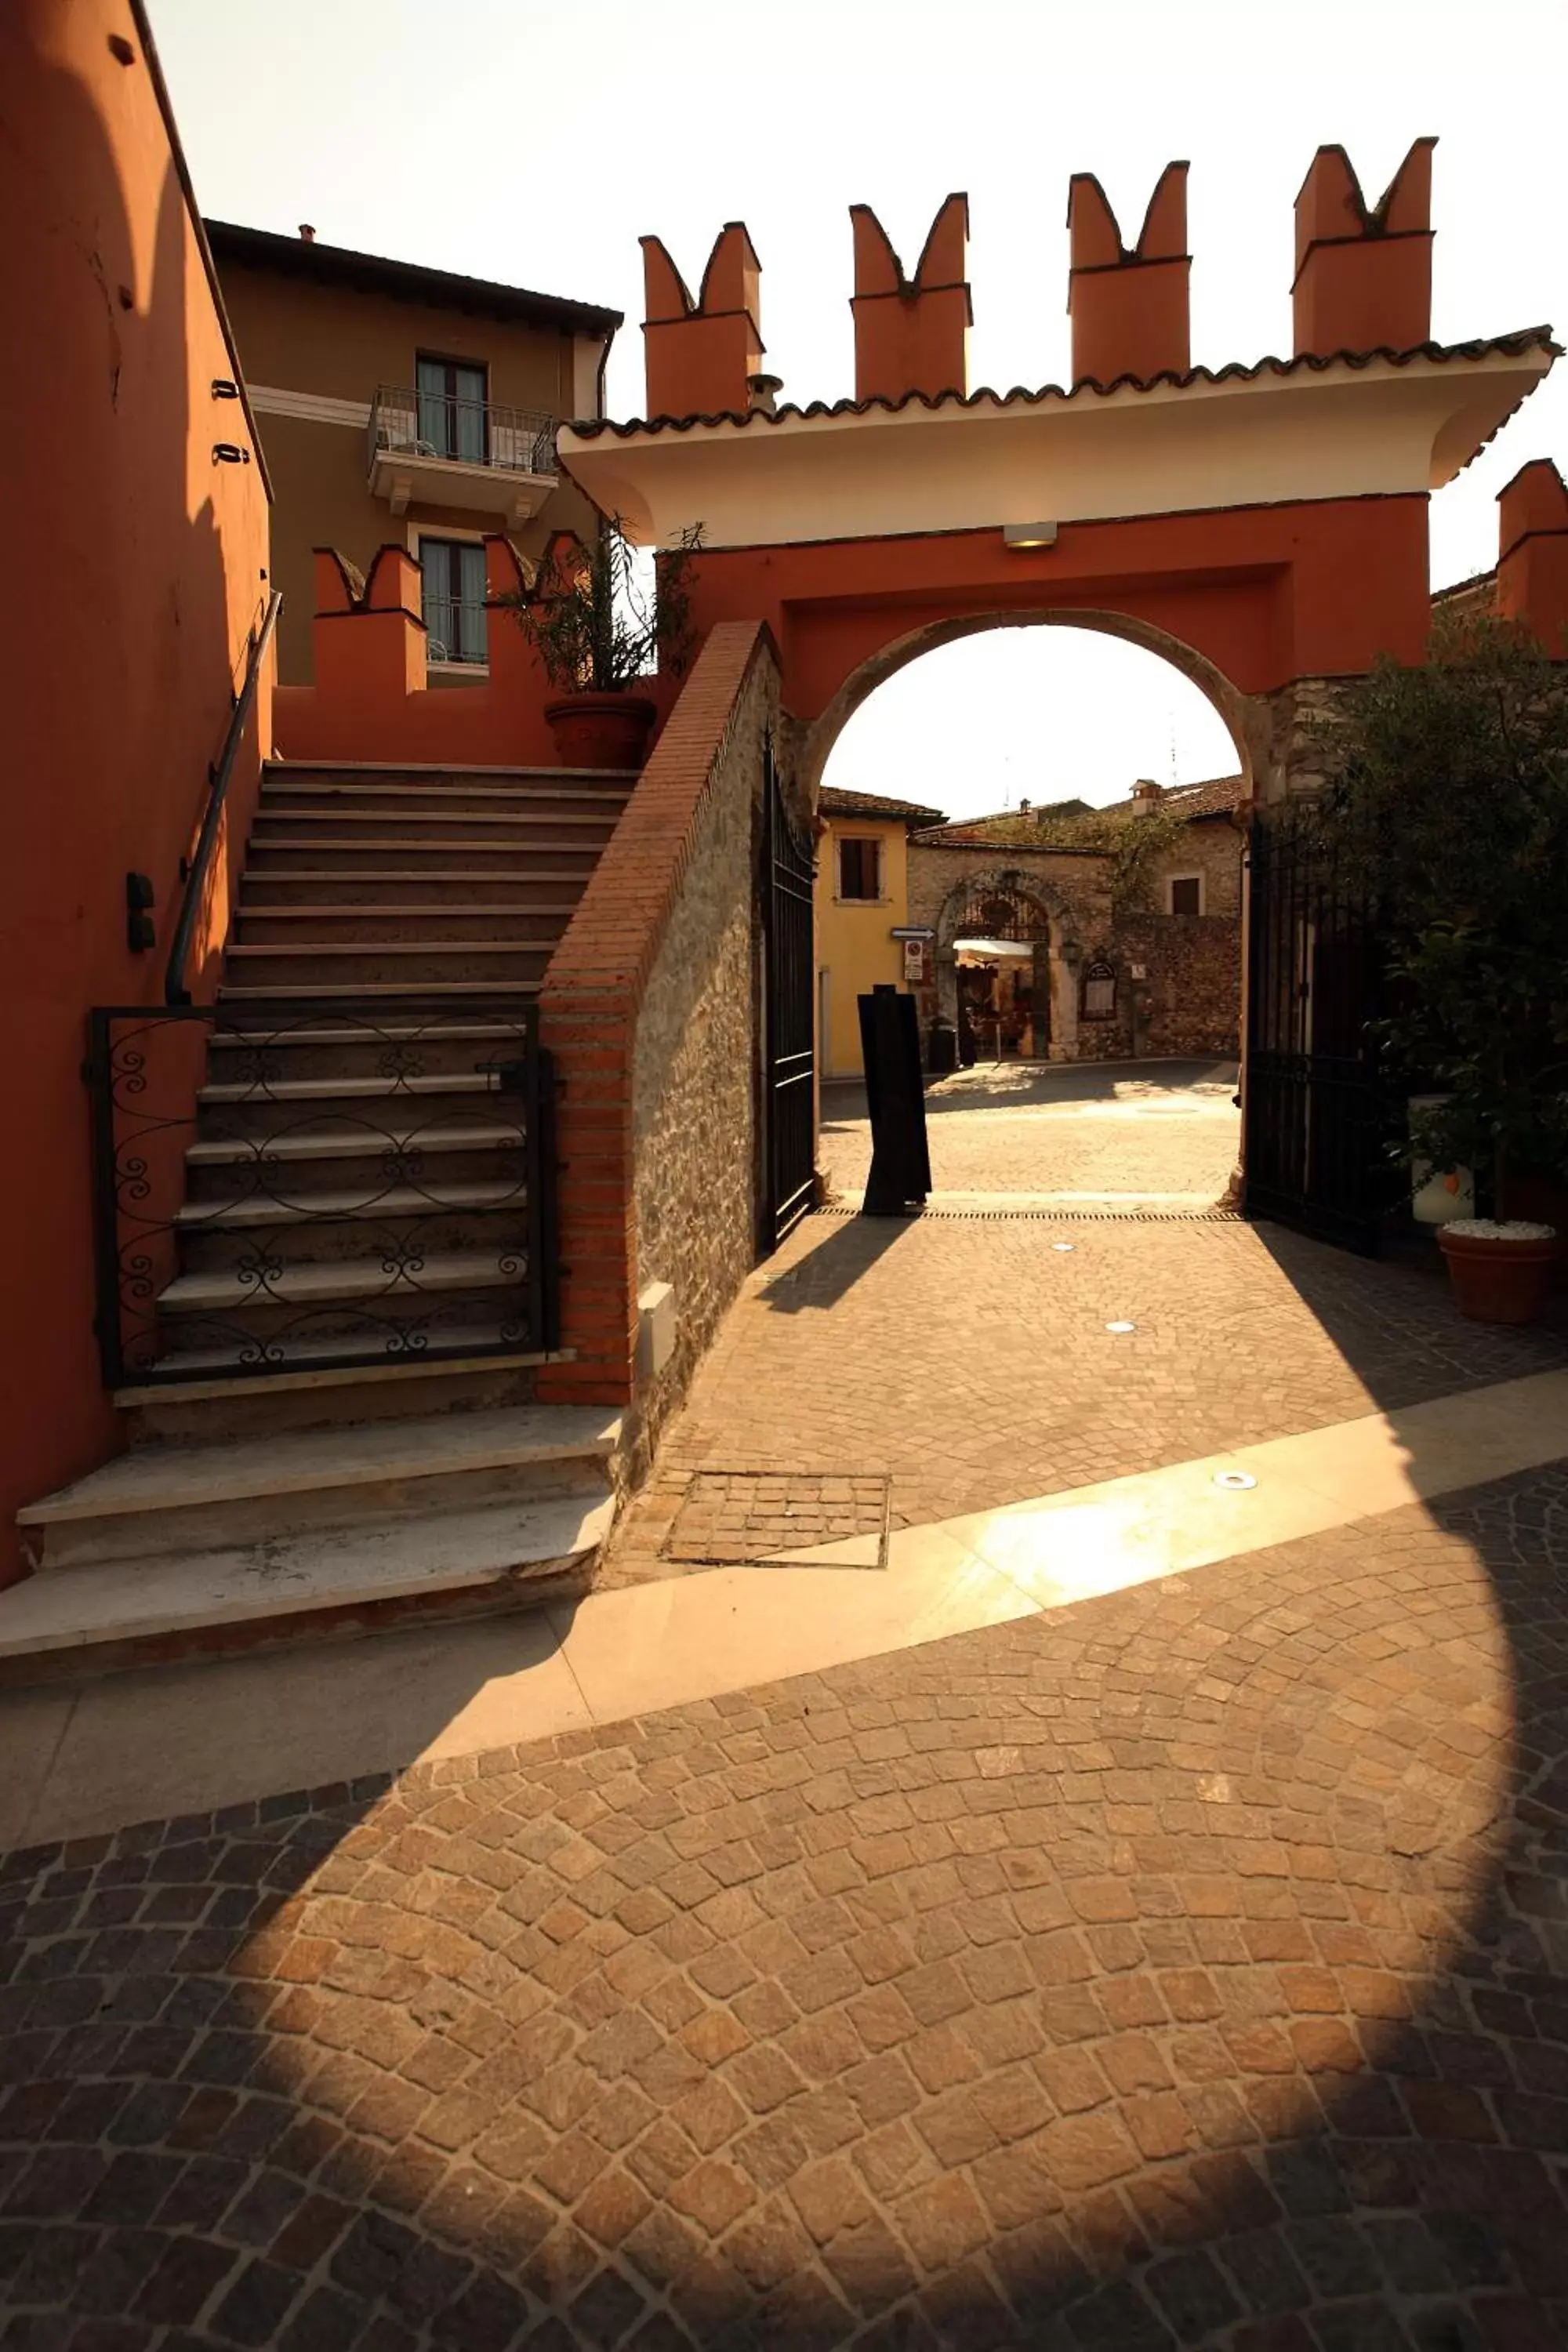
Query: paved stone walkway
(1185, 1969)
(1024, 1127)
(970, 1362)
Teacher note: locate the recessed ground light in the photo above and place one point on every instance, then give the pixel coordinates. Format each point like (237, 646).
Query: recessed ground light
(1122, 1326)
(1236, 1481)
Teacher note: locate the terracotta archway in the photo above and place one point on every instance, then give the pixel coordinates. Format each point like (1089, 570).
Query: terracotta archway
(1246, 717)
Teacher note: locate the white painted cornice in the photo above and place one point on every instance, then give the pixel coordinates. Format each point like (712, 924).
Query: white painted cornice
(1354, 427)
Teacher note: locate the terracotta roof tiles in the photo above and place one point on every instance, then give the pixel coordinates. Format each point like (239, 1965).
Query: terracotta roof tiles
(1514, 345)
(831, 801)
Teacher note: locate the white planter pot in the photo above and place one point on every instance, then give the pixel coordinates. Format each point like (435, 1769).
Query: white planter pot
(1437, 1198)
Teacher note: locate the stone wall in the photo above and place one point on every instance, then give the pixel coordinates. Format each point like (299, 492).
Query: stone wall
(695, 1141)
(1211, 846)
(1190, 999)
(1287, 758)
(650, 1008)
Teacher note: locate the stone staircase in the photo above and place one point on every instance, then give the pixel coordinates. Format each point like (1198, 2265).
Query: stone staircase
(356, 1200)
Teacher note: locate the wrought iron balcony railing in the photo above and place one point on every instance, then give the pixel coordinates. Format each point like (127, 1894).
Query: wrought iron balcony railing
(434, 425)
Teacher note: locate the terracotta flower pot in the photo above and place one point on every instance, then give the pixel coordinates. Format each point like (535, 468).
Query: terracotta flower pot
(601, 730)
(1498, 1276)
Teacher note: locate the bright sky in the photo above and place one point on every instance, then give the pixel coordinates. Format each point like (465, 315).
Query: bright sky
(534, 143)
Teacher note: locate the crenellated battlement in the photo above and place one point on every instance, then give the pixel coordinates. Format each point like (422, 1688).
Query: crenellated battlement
(700, 357)
(911, 334)
(1363, 283)
(1364, 274)
(1128, 306)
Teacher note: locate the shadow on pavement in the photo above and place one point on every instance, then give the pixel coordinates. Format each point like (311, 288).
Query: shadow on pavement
(1184, 1969)
(851, 1246)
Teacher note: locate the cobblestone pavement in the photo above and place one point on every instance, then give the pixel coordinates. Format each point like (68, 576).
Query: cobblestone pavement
(1021, 1127)
(969, 1360)
(1185, 1969)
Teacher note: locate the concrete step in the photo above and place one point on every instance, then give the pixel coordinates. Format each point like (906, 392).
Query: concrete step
(352, 1139)
(449, 826)
(311, 1225)
(277, 856)
(161, 1498)
(283, 1094)
(442, 887)
(521, 785)
(363, 1184)
(330, 1281)
(299, 1030)
(462, 1334)
(406, 963)
(311, 1578)
(302, 927)
(348, 992)
(280, 1105)
(364, 1040)
(593, 799)
(428, 773)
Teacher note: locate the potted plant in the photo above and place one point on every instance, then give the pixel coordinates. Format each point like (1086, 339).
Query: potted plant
(1448, 781)
(597, 632)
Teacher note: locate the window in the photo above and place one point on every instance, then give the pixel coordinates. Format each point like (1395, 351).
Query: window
(860, 869)
(1187, 893)
(453, 573)
(451, 399)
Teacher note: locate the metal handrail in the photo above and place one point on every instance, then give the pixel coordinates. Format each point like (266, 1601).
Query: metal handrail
(174, 989)
(507, 440)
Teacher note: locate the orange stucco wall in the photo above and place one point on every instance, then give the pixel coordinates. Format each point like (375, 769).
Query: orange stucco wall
(133, 566)
(1265, 593)
(372, 701)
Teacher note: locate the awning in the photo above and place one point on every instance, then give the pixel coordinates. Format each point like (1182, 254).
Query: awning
(992, 950)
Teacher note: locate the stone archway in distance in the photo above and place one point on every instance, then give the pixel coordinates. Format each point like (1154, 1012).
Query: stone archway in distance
(1001, 904)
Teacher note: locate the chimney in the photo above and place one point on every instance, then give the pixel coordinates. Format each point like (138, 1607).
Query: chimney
(1146, 796)
(1024, 807)
(307, 234)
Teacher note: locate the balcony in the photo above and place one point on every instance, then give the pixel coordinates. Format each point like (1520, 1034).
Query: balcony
(477, 457)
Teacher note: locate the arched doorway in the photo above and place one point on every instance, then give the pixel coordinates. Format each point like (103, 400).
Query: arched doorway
(1247, 719)
(998, 979)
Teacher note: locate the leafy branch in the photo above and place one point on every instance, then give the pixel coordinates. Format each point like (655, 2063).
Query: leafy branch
(1448, 788)
(592, 624)
(1137, 842)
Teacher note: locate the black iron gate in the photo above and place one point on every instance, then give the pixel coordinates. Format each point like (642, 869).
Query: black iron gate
(1316, 1113)
(789, 1094)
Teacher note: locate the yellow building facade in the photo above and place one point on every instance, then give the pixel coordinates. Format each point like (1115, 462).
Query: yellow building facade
(862, 900)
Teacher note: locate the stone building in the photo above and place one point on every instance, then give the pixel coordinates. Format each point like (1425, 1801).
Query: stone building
(1027, 932)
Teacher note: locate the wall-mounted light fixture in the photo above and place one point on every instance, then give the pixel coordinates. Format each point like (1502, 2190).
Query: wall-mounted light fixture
(138, 931)
(1028, 534)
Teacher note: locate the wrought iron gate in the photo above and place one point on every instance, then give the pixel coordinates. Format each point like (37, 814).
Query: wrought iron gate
(789, 1094)
(221, 1250)
(1316, 1110)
